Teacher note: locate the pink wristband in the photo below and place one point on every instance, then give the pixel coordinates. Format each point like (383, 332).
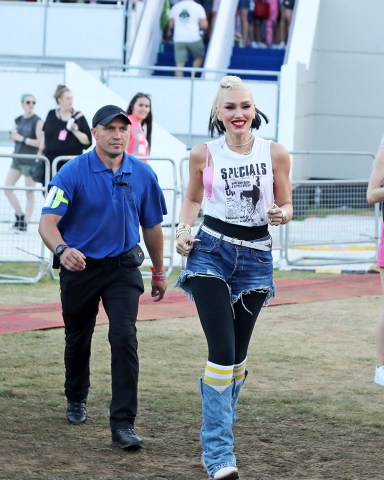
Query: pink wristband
(158, 276)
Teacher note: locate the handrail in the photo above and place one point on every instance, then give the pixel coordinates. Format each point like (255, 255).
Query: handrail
(193, 71)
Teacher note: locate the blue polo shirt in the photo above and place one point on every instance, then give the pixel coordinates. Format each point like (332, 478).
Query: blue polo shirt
(101, 211)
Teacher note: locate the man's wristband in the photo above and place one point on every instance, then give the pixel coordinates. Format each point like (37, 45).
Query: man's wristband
(158, 276)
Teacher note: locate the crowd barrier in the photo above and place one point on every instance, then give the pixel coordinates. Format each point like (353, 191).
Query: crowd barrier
(19, 249)
(332, 224)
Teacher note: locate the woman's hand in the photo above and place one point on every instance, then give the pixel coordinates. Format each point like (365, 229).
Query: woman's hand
(74, 128)
(277, 215)
(184, 244)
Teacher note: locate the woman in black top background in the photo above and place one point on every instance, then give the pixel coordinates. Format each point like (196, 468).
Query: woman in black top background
(66, 131)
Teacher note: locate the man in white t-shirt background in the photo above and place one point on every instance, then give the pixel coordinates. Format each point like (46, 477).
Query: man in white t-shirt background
(187, 18)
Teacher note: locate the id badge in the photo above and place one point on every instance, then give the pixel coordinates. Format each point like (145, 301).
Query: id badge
(63, 135)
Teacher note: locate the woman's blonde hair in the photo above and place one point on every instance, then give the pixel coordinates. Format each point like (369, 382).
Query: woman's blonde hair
(59, 92)
(230, 82)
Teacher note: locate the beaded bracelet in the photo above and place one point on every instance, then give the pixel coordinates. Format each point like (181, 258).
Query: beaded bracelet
(158, 276)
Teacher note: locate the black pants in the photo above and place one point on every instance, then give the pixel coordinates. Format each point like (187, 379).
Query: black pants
(119, 287)
(228, 332)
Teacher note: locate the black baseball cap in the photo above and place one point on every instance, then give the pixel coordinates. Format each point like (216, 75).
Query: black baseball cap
(106, 114)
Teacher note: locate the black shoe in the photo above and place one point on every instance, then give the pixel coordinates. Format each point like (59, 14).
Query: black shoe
(20, 225)
(126, 438)
(76, 412)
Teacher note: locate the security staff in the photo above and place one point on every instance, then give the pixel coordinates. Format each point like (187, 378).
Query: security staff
(90, 220)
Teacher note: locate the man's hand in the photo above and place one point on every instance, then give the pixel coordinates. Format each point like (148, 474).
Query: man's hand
(158, 289)
(73, 260)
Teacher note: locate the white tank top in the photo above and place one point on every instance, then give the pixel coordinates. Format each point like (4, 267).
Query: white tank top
(240, 188)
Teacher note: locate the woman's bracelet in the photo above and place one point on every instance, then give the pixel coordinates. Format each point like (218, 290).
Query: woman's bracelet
(182, 228)
(158, 275)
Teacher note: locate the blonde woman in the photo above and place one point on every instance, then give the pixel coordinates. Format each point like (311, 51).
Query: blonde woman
(245, 181)
(66, 130)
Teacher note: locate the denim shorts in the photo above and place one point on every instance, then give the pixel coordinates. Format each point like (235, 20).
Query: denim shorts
(243, 269)
(244, 4)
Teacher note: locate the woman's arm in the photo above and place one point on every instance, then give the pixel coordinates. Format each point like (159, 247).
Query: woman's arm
(192, 200)
(195, 189)
(35, 142)
(81, 130)
(375, 191)
(41, 146)
(81, 137)
(281, 164)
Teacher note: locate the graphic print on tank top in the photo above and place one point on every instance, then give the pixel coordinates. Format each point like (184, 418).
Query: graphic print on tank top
(240, 189)
(243, 198)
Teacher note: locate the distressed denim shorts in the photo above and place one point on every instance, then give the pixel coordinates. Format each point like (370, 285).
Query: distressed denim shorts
(243, 269)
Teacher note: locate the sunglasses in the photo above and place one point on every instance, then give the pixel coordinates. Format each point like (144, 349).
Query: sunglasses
(28, 102)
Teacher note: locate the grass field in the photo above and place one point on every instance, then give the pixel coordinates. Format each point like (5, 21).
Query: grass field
(308, 410)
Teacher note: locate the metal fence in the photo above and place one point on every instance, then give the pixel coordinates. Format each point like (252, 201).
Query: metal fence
(333, 224)
(18, 247)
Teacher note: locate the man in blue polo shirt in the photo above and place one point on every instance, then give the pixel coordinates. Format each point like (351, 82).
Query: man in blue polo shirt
(90, 220)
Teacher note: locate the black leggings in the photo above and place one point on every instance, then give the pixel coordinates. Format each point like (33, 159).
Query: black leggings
(227, 332)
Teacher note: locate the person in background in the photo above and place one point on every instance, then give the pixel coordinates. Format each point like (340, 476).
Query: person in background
(140, 115)
(26, 134)
(215, 8)
(187, 18)
(243, 11)
(208, 8)
(272, 24)
(66, 130)
(90, 221)
(245, 181)
(286, 12)
(375, 194)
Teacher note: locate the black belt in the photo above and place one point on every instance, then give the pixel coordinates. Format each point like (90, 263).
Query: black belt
(107, 260)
